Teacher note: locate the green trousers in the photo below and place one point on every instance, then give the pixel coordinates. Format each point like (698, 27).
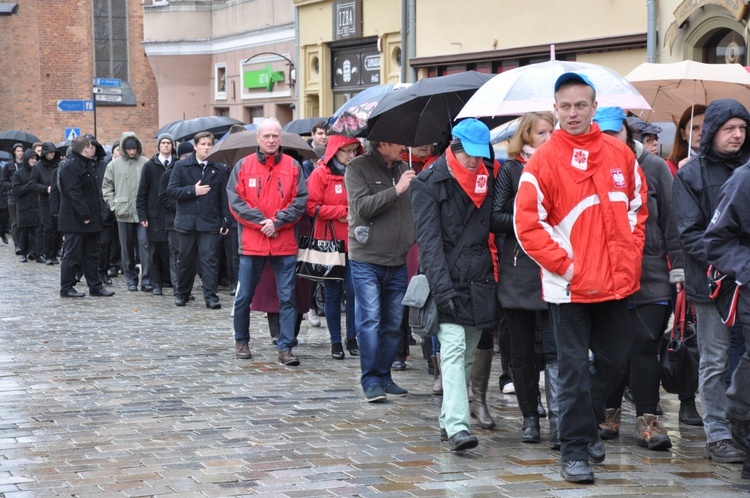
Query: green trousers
(457, 345)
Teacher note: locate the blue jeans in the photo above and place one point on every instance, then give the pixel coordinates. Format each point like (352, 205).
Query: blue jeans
(604, 328)
(334, 290)
(713, 345)
(379, 291)
(250, 271)
(739, 392)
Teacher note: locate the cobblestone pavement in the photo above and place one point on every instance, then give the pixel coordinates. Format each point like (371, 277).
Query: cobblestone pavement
(132, 396)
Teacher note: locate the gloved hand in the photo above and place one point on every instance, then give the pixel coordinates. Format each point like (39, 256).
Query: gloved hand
(448, 307)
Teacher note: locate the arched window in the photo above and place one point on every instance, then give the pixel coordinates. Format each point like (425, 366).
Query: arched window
(725, 46)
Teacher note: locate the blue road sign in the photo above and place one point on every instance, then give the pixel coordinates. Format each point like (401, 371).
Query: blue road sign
(71, 133)
(107, 82)
(75, 105)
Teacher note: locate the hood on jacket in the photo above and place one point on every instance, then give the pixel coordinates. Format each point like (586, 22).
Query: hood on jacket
(27, 155)
(100, 152)
(719, 112)
(130, 135)
(337, 142)
(48, 147)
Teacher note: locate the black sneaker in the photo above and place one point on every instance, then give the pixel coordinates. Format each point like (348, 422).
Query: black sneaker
(723, 451)
(577, 471)
(374, 394)
(394, 390)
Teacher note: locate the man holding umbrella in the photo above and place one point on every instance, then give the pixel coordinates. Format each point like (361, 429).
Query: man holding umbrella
(580, 214)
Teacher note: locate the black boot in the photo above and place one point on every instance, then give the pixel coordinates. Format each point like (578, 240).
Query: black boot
(552, 389)
(480, 378)
(689, 413)
(530, 432)
(746, 466)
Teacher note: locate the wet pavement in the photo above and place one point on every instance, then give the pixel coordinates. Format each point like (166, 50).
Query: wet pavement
(133, 396)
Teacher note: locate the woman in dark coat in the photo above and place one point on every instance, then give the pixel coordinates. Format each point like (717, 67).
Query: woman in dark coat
(27, 203)
(452, 202)
(41, 181)
(520, 286)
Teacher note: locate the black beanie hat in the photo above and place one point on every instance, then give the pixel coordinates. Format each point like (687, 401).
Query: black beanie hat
(130, 143)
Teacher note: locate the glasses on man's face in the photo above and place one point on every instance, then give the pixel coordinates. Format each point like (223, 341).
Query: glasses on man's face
(350, 152)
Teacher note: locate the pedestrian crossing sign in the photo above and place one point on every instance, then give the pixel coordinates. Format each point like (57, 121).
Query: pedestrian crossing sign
(72, 133)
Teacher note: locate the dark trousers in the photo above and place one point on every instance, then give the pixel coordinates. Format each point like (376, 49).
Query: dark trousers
(12, 220)
(174, 254)
(51, 237)
(4, 220)
(193, 246)
(603, 328)
(158, 255)
(80, 250)
(107, 238)
(26, 240)
(232, 256)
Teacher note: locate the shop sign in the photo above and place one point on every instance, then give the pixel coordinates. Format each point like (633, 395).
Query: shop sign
(347, 19)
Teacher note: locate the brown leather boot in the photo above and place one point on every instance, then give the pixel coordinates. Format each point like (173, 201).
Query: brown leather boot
(437, 383)
(480, 378)
(242, 351)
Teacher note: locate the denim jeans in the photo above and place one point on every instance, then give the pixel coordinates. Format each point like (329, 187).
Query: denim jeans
(713, 346)
(739, 392)
(457, 345)
(603, 328)
(334, 291)
(251, 268)
(379, 291)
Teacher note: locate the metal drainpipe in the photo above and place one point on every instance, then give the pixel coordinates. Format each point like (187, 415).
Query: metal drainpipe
(299, 64)
(412, 41)
(651, 31)
(404, 38)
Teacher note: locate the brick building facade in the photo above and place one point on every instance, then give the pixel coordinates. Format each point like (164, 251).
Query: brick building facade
(47, 52)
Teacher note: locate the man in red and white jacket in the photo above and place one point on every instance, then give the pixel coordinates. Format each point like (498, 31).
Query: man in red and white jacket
(267, 195)
(580, 214)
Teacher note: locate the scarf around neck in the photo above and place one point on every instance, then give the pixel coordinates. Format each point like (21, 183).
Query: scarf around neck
(473, 184)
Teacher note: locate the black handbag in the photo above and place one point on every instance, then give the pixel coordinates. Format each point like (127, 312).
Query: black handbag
(679, 357)
(725, 294)
(321, 259)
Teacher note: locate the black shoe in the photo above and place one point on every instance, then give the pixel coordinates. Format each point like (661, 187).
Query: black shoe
(147, 288)
(71, 293)
(596, 451)
(658, 411)
(337, 351)
(374, 394)
(723, 452)
(112, 272)
(462, 440)
(157, 291)
(352, 347)
(132, 288)
(41, 260)
(4, 238)
(689, 413)
(393, 389)
(105, 280)
(213, 305)
(444, 436)
(191, 297)
(102, 292)
(399, 365)
(577, 471)
(628, 394)
(740, 430)
(178, 301)
(24, 259)
(530, 432)
(50, 261)
(55, 261)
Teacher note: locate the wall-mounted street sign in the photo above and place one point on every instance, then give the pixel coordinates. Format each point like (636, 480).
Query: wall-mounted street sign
(263, 78)
(100, 97)
(107, 82)
(75, 105)
(71, 133)
(108, 90)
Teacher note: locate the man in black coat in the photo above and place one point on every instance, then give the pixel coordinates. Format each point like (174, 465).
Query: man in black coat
(152, 215)
(41, 181)
(695, 195)
(80, 220)
(200, 189)
(6, 184)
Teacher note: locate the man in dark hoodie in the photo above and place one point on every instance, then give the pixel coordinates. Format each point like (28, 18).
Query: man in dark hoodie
(6, 184)
(695, 195)
(41, 181)
(153, 215)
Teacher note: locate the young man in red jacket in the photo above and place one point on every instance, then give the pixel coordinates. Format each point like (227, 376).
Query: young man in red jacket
(580, 214)
(267, 195)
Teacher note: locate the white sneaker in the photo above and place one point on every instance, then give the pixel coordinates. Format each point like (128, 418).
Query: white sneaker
(313, 319)
(509, 389)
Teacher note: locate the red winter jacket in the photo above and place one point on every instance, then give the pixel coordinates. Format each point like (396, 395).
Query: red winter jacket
(267, 187)
(582, 200)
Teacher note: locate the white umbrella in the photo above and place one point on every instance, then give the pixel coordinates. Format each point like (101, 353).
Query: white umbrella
(531, 88)
(672, 88)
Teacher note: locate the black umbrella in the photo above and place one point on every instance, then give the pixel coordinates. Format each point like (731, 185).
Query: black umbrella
(424, 112)
(185, 129)
(5, 156)
(302, 126)
(62, 147)
(8, 138)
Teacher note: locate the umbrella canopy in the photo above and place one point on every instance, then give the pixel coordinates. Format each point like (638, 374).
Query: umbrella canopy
(672, 88)
(531, 88)
(351, 118)
(5, 156)
(8, 138)
(424, 112)
(185, 129)
(302, 126)
(238, 145)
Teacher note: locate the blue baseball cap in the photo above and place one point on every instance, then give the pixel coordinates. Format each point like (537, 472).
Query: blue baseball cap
(573, 77)
(474, 136)
(610, 118)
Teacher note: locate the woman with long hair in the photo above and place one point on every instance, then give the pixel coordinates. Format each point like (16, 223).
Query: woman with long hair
(520, 286)
(687, 137)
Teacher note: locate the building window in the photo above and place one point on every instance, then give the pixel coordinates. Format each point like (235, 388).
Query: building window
(726, 46)
(220, 77)
(111, 39)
